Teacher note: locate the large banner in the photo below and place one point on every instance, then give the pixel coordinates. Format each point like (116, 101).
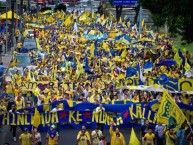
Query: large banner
(167, 83)
(85, 113)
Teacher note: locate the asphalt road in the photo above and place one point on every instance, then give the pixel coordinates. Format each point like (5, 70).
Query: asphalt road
(67, 137)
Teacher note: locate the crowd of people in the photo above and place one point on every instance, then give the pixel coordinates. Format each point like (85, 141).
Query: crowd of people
(67, 52)
(160, 136)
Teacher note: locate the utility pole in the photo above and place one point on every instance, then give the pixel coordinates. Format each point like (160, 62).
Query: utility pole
(12, 22)
(6, 45)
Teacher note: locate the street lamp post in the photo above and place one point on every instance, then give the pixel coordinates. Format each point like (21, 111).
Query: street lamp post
(6, 43)
(12, 21)
(21, 13)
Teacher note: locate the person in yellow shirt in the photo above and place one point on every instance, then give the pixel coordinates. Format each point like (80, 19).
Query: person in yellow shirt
(83, 139)
(117, 137)
(46, 99)
(86, 133)
(9, 88)
(106, 99)
(25, 138)
(19, 103)
(52, 136)
(16, 91)
(135, 99)
(115, 99)
(2, 108)
(170, 137)
(17, 78)
(149, 137)
(185, 99)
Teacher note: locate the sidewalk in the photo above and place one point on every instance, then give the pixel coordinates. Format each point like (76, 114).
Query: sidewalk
(6, 58)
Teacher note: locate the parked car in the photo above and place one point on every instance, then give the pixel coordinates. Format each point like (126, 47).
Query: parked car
(28, 33)
(11, 72)
(29, 43)
(23, 58)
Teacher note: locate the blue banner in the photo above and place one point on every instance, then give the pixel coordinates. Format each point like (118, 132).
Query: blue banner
(84, 113)
(125, 2)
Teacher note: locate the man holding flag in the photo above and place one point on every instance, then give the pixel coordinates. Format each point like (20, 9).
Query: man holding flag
(169, 113)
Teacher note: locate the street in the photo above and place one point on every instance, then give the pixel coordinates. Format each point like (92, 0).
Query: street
(67, 137)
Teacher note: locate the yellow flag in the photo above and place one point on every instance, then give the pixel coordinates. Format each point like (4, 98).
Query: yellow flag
(92, 49)
(120, 21)
(68, 21)
(14, 63)
(36, 119)
(102, 17)
(121, 76)
(177, 58)
(84, 16)
(103, 22)
(187, 67)
(169, 113)
(38, 44)
(94, 15)
(143, 22)
(129, 24)
(133, 138)
(124, 53)
(50, 19)
(106, 47)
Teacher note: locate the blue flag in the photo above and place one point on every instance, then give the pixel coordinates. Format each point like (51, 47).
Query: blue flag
(112, 52)
(148, 66)
(167, 62)
(182, 57)
(119, 37)
(86, 68)
(96, 48)
(130, 71)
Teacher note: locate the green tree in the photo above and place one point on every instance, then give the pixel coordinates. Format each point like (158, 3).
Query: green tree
(177, 14)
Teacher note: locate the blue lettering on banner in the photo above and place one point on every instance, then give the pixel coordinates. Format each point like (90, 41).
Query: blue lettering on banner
(84, 113)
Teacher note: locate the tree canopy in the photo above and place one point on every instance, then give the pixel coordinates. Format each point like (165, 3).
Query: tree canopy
(177, 14)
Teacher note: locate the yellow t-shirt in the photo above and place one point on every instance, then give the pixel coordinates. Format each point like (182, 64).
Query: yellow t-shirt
(116, 140)
(52, 141)
(19, 104)
(9, 89)
(106, 100)
(25, 139)
(168, 138)
(134, 101)
(149, 138)
(86, 133)
(83, 140)
(16, 92)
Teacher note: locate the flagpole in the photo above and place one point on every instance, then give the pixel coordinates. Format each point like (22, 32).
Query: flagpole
(140, 18)
(188, 124)
(6, 45)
